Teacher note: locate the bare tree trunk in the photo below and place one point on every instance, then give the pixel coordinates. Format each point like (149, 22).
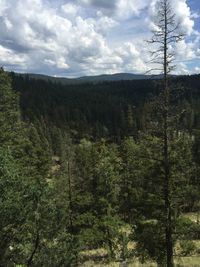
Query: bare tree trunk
(36, 245)
(70, 198)
(166, 35)
(168, 226)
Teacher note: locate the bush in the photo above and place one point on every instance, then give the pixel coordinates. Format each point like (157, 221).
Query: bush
(187, 229)
(187, 247)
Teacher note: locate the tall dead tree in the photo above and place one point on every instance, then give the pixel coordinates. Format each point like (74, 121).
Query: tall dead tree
(165, 36)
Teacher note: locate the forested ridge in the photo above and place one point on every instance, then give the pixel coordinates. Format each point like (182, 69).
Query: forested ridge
(81, 172)
(104, 109)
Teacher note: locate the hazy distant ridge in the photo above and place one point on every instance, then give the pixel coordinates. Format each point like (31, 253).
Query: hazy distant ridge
(93, 79)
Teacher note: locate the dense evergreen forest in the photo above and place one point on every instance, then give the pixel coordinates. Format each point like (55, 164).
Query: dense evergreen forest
(102, 173)
(81, 172)
(112, 110)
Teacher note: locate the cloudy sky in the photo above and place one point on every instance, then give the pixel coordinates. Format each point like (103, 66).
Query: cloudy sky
(73, 38)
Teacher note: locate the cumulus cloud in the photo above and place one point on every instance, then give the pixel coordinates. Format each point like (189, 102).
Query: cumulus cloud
(197, 69)
(70, 10)
(82, 37)
(184, 15)
(186, 51)
(182, 69)
(8, 57)
(128, 8)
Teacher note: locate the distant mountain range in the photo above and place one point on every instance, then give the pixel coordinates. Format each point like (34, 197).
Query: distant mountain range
(93, 79)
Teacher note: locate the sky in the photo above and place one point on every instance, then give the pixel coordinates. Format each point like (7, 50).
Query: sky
(73, 38)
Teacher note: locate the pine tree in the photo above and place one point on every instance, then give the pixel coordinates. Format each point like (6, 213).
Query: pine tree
(166, 34)
(12, 206)
(131, 181)
(150, 208)
(107, 175)
(11, 134)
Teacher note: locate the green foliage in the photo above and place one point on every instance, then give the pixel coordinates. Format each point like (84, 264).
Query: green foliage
(150, 241)
(39, 152)
(60, 252)
(187, 247)
(12, 201)
(10, 115)
(124, 238)
(129, 178)
(88, 192)
(145, 175)
(187, 229)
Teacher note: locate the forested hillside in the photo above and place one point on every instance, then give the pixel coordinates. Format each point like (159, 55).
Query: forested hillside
(82, 172)
(106, 109)
(103, 170)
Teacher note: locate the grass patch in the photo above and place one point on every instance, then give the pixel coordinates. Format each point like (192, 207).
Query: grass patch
(193, 216)
(193, 261)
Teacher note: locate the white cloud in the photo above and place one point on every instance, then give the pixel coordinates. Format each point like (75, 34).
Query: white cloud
(70, 10)
(184, 15)
(83, 37)
(197, 70)
(195, 15)
(185, 51)
(182, 69)
(128, 8)
(103, 24)
(8, 57)
(61, 63)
